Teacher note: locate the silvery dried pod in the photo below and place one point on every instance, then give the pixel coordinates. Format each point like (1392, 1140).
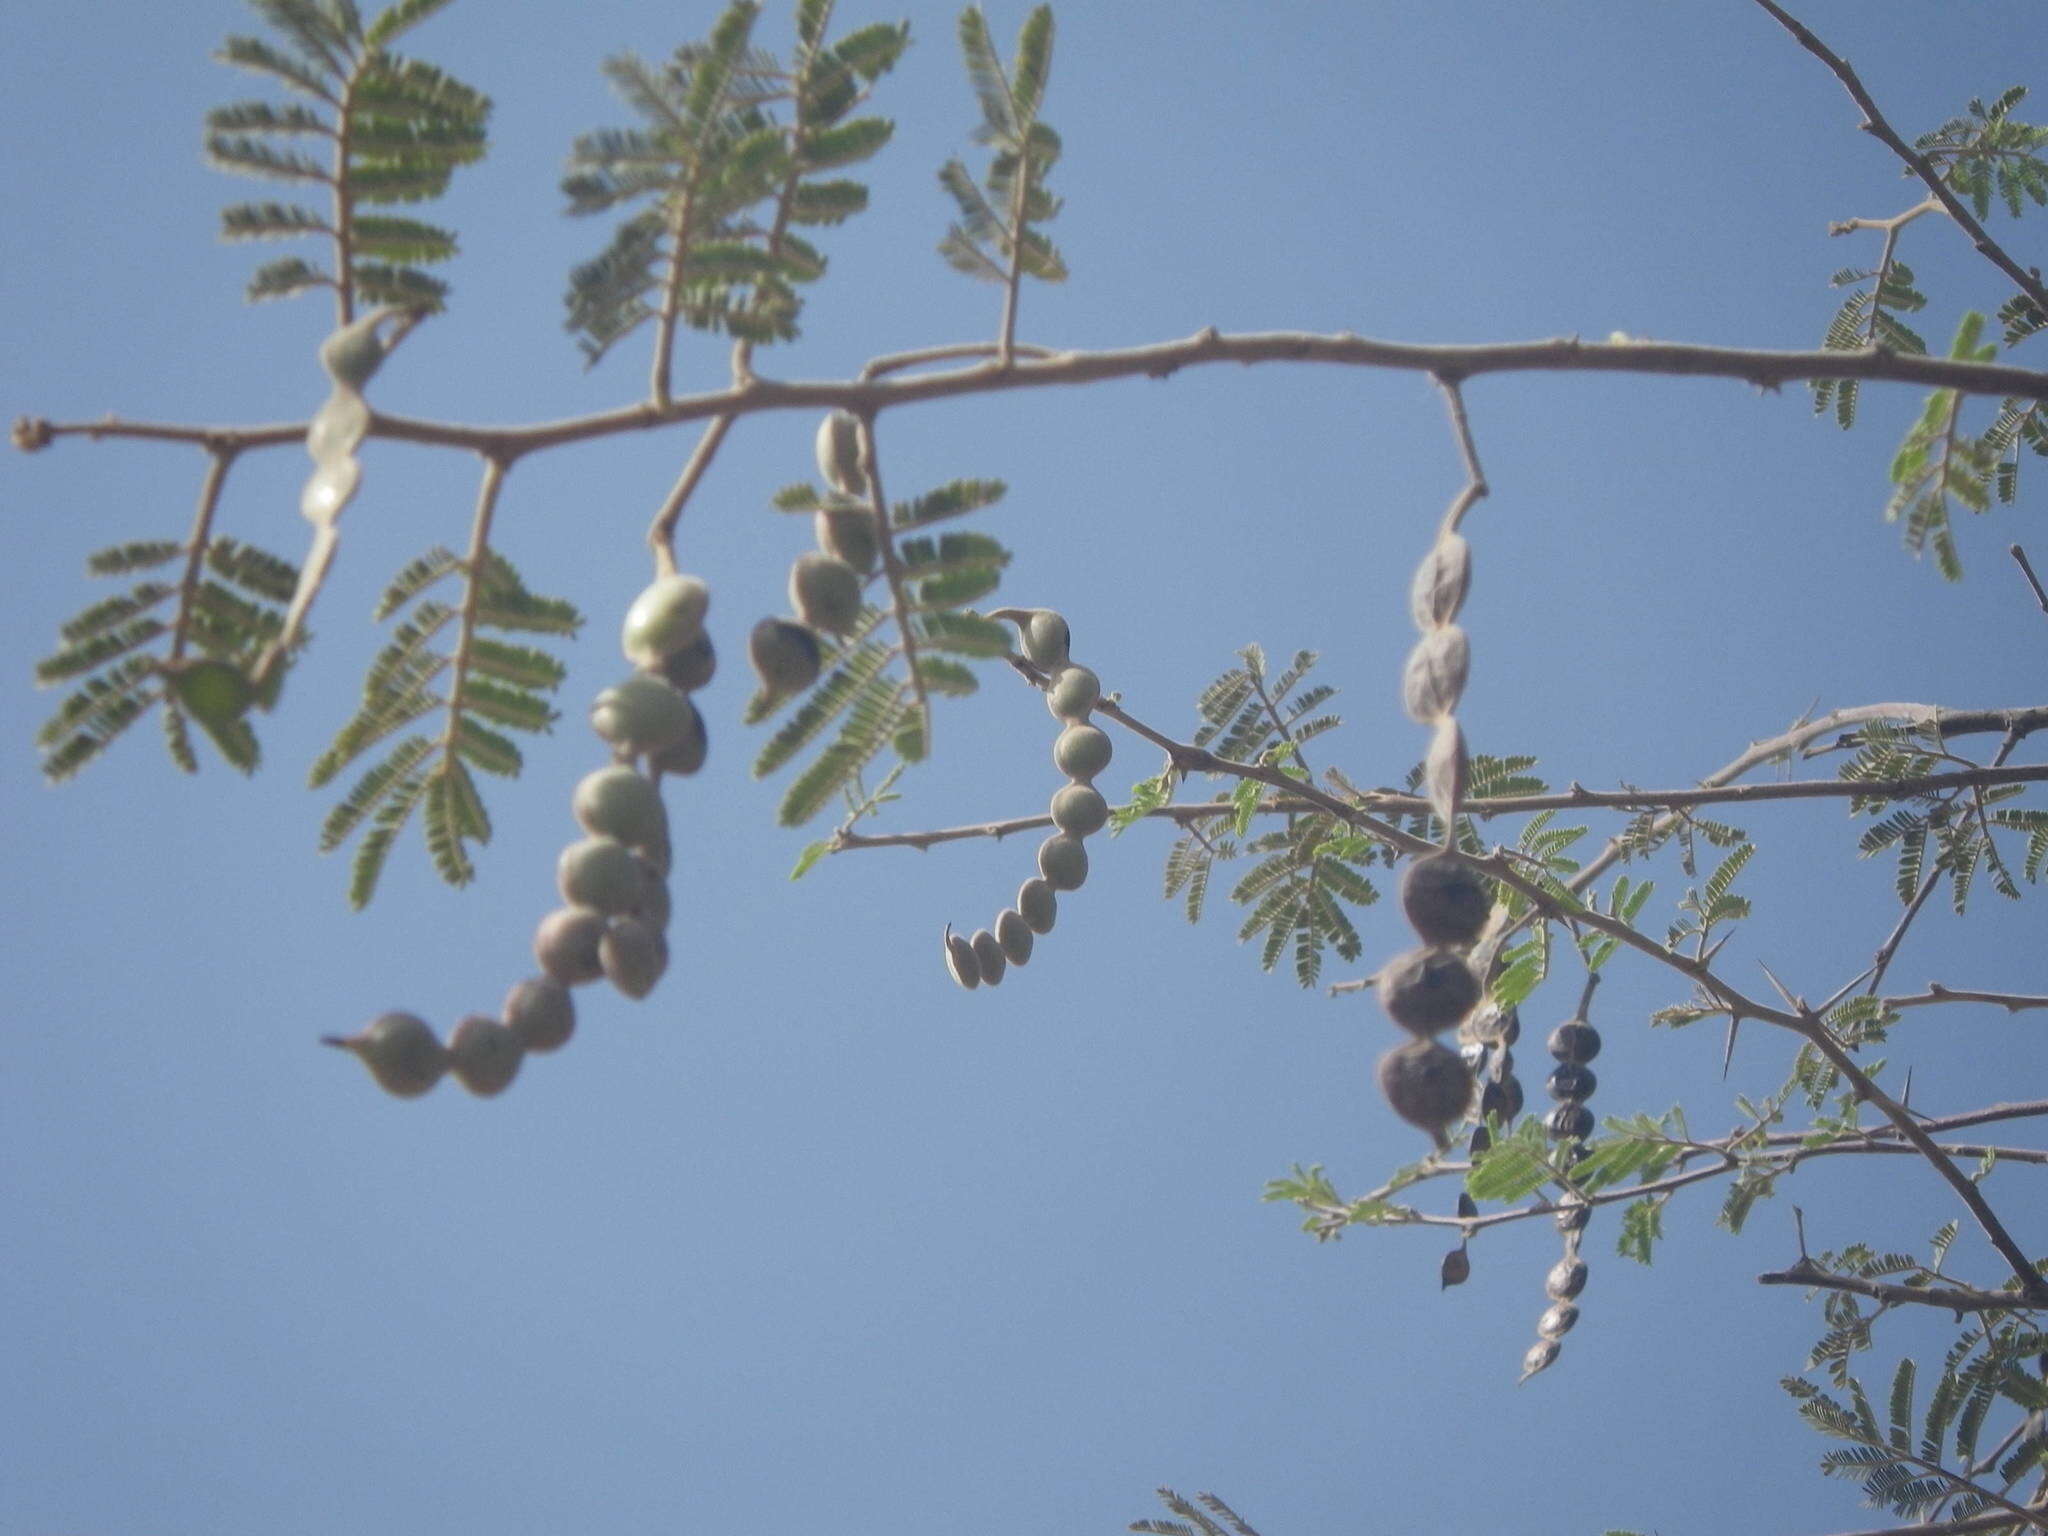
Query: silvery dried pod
(620, 803)
(1566, 1279)
(1541, 1354)
(1081, 752)
(785, 656)
(1063, 861)
(540, 1013)
(1014, 934)
(1037, 904)
(1557, 1321)
(566, 945)
(664, 619)
(401, 1050)
(1427, 989)
(825, 592)
(1446, 773)
(988, 955)
(1427, 1084)
(1573, 1216)
(1434, 679)
(1080, 810)
(1441, 581)
(961, 962)
(1072, 692)
(839, 453)
(484, 1056)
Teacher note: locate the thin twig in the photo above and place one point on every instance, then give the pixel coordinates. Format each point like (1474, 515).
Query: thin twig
(2027, 571)
(219, 462)
(1957, 1299)
(1475, 487)
(2011, 1002)
(475, 569)
(894, 572)
(661, 533)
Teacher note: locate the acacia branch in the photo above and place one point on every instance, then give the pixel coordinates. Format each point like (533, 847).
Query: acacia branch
(219, 462)
(1956, 1299)
(661, 533)
(894, 572)
(2011, 1002)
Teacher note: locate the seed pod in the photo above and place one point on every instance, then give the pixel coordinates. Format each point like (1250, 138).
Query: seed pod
(1502, 1098)
(1572, 1083)
(653, 906)
(1426, 1084)
(600, 872)
(1446, 899)
(216, 692)
(1482, 1140)
(1566, 1279)
(484, 1056)
(1014, 934)
(540, 1013)
(1569, 1122)
(1541, 1354)
(566, 944)
(1507, 1026)
(1434, 679)
(1081, 752)
(989, 956)
(960, 960)
(825, 592)
(1037, 905)
(1557, 1321)
(1441, 581)
(785, 656)
(1446, 771)
(663, 620)
(693, 666)
(686, 754)
(633, 956)
(1079, 809)
(354, 352)
(839, 453)
(1072, 693)
(618, 803)
(1573, 1217)
(1427, 989)
(1063, 861)
(1456, 1269)
(848, 532)
(1575, 1040)
(1042, 634)
(401, 1051)
(641, 714)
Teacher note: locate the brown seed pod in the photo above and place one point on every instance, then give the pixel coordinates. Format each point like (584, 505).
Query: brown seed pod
(1446, 771)
(1427, 989)
(619, 803)
(1434, 679)
(633, 955)
(849, 533)
(825, 592)
(686, 754)
(1014, 934)
(1441, 582)
(961, 961)
(1447, 901)
(1063, 861)
(664, 619)
(600, 872)
(566, 945)
(839, 453)
(1079, 809)
(1037, 905)
(640, 714)
(1072, 693)
(1081, 752)
(484, 1056)
(1427, 1084)
(693, 666)
(785, 656)
(540, 1013)
(401, 1050)
(989, 956)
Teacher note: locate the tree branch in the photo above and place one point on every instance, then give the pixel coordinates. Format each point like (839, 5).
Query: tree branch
(1956, 1299)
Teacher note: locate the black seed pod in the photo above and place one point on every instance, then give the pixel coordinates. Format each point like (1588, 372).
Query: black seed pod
(1481, 1141)
(785, 656)
(1502, 1099)
(1507, 1029)
(1572, 1083)
(1575, 1040)
(1446, 900)
(1427, 989)
(1569, 1122)
(1566, 1279)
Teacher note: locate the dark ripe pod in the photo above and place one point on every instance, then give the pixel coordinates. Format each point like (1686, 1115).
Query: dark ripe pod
(1037, 905)
(1072, 693)
(1079, 809)
(633, 955)
(785, 656)
(484, 1056)
(401, 1050)
(1575, 1040)
(1573, 1217)
(664, 619)
(1557, 1321)
(1507, 1029)
(1434, 679)
(1081, 752)
(1063, 862)
(1539, 1357)
(1569, 1122)
(988, 954)
(1481, 1140)
(1446, 900)
(1566, 1279)
(693, 666)
(600, 872)
(848, 533)
(540, 1013)
(825, 592)
(1572, 1083)
(566, 944)
(839, 453)
(616, 802)
(641, 714)
(1467, 1206)
(1427, 989)
(1502, 1099)
(1456, 1270)
(1441, 582)
(686, 754)
(961, 962)
(1426, 1084)
(1014, 934)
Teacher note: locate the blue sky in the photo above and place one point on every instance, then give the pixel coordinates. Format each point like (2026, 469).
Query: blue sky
(811, 1236)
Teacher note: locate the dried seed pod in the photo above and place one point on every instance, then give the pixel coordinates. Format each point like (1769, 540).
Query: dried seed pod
(1576, 1041)
(633, 954)
(1572, 1083)
(1447, 901)
(1569, 1122)
(401, 1050)
(1427, 989)
(1014, 934)
(1426, 1084)
(1456, 1268)
(619, 803)
(839, 453)
(686, 754)
(1502, 1098)
(1434, 679)
(1081, 752)
(600, 872)
(785, 656)
(1079, 809)
(1507, 1026)
(1446, 772)
(664, 619)
(961, 961)
(484, 1056)
(1482, 1140)
(693, 666)
(1573, 1217)
(1063, 861)
(1541, 1354)
(1557, 1321)
(1441, 582)
(641, 714)
(825, 592)
(1037, 905)
(1566, 1279)
(988, 955)
(566, 945)
(540, 1013)
(848, 532)
(1072, 693)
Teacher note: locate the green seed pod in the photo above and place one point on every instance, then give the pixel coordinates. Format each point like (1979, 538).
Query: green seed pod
(785, 656)
(1063, 860)
(1081, 752)
(1014, 934)
(1427, 1084)
(988, 955)
(961, 961)
(619, 803)
(825, 592)
(401, 1051)
(484, 1055)
(1447, 901)
(600, 872)
(664, 619)
(216, 692)
(693, 666)
(540, 1013)
(566, 943)
(355, 351)
(1434, 678)
(686, 754)
(839, 453)
(1079, 809)
(1037, 905)
(1073, 693)
(633, 956)
(1427, 989)
(1046, 637)
(641, 714)
(848, 532)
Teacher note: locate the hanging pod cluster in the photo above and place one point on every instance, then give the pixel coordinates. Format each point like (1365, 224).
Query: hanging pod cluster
(613, 882)
(1573, 1044)
(1081, 751)
(825, 583)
